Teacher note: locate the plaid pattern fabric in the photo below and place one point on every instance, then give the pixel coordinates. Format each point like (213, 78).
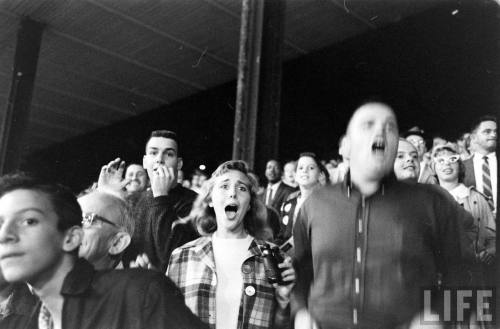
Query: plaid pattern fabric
(192, 268)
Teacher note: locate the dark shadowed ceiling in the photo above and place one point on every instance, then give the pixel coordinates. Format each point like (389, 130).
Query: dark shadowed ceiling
(103, 61)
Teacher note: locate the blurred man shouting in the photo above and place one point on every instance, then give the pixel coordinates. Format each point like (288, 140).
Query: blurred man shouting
(366, 248)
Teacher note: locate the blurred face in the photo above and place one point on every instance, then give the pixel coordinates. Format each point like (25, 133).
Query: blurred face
(372, 141)
(98, 235)
(273, 171)
(231, 201)
(485, 136)
(160, 151)
(31, 246)
(406, 165)
(447, 166)
(308, 172)
(139, 178)
(289, 173)
(419, 144)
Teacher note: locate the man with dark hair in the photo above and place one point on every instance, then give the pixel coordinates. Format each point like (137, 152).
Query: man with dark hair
(406, 165)
(158, 230)
(481, 169)
(277, 191)
(40, 234)
(364, 249)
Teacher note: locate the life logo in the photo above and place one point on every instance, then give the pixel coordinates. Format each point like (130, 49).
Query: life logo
(458, 305)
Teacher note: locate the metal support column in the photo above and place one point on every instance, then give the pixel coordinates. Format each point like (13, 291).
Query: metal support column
(15, 120)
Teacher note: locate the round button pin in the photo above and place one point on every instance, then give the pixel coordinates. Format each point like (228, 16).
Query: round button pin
(247, 268)
(250, 291)
(285, 219)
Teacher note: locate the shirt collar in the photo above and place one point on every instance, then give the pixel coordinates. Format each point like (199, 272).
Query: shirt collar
(491, 156)
(274, 186)
(460, 192)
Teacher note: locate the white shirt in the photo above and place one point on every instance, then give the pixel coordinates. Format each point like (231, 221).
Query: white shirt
(272, 188)
(478, 161)
(229, 256)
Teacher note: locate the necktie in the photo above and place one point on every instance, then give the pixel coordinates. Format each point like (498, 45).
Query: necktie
(486, 178)
(269, 196)
(45, 319)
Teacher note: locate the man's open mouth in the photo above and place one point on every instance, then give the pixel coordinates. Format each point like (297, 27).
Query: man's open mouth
(231, 211)
(378, 147)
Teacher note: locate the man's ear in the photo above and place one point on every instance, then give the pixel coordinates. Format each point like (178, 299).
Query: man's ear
(179, 163)
(72, 238)
(346, 147)
(119, 243)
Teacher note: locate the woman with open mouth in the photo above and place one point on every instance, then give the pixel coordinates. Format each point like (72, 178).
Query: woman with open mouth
(222, 274)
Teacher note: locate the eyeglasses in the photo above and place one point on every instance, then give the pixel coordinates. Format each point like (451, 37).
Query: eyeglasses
(447, 159)
(91, 219)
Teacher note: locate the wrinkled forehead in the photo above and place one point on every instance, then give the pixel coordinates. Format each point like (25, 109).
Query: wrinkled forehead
(372, 112)
(233, 176)
(414, 138)
(487, 125)
(100, 204)
(132, 169)
(406, 146)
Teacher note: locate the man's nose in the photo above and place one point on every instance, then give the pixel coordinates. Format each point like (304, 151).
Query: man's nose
(7, 233)
(159, 159)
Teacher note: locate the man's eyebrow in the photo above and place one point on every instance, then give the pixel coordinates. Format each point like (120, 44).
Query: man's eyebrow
(154, 148)
(22, 211)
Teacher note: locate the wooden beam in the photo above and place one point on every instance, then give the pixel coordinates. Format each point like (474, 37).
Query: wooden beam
(14, 122)
(235, 15)
(268, 122)
(247, 90)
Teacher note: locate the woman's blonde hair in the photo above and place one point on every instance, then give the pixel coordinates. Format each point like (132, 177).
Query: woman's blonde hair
(203, 216)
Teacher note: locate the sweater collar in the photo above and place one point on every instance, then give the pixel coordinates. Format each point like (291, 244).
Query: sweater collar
(79, 279)
(350, 189)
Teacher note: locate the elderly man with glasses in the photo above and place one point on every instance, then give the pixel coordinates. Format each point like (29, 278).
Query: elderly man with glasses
(108, 228)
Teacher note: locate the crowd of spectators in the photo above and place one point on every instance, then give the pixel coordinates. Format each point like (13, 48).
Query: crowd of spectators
(343, 243)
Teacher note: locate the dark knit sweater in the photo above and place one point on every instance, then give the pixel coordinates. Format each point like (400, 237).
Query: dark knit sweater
(154, 232)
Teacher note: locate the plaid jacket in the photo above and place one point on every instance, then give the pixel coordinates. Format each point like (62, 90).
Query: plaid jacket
(192, 268)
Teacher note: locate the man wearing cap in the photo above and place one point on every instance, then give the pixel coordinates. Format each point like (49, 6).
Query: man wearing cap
(415, 136)
(481, 168)
(366, 248)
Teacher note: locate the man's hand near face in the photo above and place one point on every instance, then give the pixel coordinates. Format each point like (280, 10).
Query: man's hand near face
(111, 178)
(162, 180)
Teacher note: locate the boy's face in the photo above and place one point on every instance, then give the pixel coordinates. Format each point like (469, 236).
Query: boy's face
(31, 246)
